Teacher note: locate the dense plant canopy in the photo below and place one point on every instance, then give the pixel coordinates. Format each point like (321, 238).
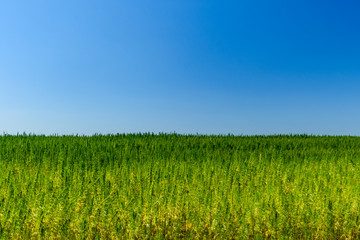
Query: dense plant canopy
(170, 186)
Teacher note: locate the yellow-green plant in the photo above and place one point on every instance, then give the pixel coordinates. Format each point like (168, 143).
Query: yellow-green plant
(170, 186)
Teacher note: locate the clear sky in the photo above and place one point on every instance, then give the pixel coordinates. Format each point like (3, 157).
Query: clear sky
(185, 66)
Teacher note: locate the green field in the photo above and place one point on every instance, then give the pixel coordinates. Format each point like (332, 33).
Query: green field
(169, 186)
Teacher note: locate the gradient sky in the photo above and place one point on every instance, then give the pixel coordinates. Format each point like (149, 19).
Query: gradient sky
(185, 66)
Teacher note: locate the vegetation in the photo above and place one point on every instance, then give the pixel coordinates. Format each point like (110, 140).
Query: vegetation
(169, 186)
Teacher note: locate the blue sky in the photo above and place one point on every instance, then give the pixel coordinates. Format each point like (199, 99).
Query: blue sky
(208, 67)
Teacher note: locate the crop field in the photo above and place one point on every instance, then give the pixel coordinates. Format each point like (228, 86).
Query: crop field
(170, 186)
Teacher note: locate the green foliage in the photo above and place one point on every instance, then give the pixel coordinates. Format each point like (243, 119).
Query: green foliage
(169, 186)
